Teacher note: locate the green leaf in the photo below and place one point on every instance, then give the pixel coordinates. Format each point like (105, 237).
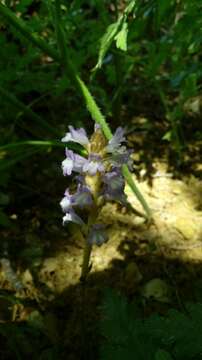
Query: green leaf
(121, 38)
(123, 332)
(116, 31)
(176, 335)
(106, 42)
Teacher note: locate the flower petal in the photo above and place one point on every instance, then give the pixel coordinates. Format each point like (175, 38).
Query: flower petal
(82, 197)
(116, 140)
(79, 163)
(79, 136)
(73, 217)
(67, 166)
(73, 162)
(114, 189)
(66, 203)
(120, 157)
(93, 164)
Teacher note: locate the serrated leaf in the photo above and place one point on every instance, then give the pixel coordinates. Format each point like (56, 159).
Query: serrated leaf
(121, 38)
(106, 41)
(112, 31)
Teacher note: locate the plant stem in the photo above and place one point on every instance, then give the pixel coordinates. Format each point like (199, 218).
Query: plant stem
(86, 259)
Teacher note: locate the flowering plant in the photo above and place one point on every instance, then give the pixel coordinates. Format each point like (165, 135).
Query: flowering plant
(99, 179)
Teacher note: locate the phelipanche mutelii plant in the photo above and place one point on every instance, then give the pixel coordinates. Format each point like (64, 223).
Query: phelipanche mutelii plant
(99, 179)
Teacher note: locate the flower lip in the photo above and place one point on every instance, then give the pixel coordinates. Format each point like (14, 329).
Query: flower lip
(114, 186)
(116, 140)
(80, 199)
(71, 216)
(73, 162)
(79, 136)
(67, 166)
(120, 157)
(66, 202)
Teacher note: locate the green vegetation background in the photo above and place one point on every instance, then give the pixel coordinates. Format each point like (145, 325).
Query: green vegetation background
(138, 58)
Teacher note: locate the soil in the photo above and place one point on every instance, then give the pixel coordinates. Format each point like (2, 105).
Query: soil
(169, 248)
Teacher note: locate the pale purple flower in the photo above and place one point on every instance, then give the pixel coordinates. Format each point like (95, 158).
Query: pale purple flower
(73, 162)
(116, 140)
(114, 186)
(71, 216)
(77, 163)
(66, 202)
(93, 164)
(81, 198)
(97, 235)
(67, 166)
(120, 157)
(79, 136)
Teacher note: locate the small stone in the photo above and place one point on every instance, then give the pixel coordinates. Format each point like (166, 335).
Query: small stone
(158, 290)
(13, 217)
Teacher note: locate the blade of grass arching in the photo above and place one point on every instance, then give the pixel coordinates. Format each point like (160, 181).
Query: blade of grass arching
(12, 146)
(71, 72)
(25, 109)
(39, 143)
